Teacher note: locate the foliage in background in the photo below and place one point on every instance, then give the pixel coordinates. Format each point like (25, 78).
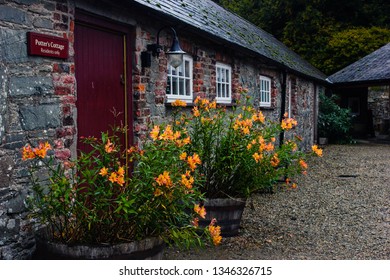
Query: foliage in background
(94, 200)
(315, 28)
(346, 46)
(334, 122)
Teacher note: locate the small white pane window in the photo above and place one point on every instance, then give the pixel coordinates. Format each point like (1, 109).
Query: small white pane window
(265, 91)
(179, 83)
(223, 83)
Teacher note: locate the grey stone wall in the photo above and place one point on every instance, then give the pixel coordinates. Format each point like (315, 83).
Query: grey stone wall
(303, 107)
(3, 96)
(379, 104)
(30, 109)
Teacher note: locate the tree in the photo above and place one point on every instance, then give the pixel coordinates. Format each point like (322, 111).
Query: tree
(308, 35)
(349, 45)
(315, 28)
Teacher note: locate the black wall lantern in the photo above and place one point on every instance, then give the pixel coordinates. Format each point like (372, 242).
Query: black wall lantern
(175, 53)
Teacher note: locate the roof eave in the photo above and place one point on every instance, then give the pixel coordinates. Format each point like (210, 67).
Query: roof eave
(224, 42)
(363, 83)
(255, 54)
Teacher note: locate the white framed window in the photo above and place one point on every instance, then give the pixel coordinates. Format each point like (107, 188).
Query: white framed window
(179, 83)
(223, 83)
(265, 91)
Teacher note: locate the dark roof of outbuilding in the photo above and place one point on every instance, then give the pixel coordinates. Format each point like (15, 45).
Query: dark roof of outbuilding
(374, 67)
(208, 17)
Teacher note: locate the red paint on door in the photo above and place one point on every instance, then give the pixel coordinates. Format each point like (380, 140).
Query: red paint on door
(100, 58)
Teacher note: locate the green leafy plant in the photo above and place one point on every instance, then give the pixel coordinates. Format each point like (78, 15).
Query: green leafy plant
(334, 123)
(238, 149)
(97, 199)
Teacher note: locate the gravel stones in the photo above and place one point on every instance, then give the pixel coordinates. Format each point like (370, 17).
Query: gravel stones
(340, 210)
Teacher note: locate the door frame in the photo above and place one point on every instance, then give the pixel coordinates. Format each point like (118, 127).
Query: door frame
(98, 22)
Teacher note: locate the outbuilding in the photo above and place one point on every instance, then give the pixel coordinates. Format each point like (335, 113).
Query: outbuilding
(364, 88)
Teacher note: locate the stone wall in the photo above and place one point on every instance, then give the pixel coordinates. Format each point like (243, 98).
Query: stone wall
(36, 102)
(303, 105)
(38, 95)
(379, 104)
(149, 83)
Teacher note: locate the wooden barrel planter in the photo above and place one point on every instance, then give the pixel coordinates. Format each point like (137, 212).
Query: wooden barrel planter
(146, 249)
(227, 211)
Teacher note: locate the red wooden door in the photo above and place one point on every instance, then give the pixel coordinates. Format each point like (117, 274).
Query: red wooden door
(100, 62)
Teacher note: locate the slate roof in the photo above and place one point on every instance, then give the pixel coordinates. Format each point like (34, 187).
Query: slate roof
(208, 17)
(374, 67)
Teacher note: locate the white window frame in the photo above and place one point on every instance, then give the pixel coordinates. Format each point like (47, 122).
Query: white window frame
(223, 83)
(265, 91)
(183, 92)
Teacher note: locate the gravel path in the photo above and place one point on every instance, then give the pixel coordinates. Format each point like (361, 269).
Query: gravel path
(341, 210)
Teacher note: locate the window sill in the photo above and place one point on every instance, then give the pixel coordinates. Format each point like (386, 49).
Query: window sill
(262, 108)
(192, 104)
(188, 104)
(228, 105)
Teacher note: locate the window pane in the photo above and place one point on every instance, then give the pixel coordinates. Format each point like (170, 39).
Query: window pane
(180, 70)
(168, 90)
(187, 68)
(188, 87)
(174, 86)
(223, 90)
(173, 70)
(181, 86)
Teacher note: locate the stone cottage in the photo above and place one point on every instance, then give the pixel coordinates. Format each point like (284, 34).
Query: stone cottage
(364, 88)
(65, 65)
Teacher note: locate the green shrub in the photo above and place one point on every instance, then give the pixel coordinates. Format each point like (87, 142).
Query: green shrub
(334, 122)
